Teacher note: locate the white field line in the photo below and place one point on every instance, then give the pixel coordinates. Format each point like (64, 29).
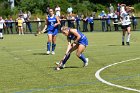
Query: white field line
(97, 75)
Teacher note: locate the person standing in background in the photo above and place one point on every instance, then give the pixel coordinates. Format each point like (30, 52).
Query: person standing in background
(57, 11)
(2, 25)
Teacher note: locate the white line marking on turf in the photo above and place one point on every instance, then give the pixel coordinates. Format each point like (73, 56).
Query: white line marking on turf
(97, 75)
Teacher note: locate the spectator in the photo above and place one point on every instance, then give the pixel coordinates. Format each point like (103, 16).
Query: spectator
(134, 22)
(38, 25)
(108, 22)
(29, 24)
(85, 24)
(118, 10)
(20, 13)
(91, 23)
(20, 21)
(103, 17)
(69, 10)
(57, 11)
(47, 9)
(115, 21)
(7, 26)
(29, 14)
(111, 9)
(77, 19)
(25, 15)
(62, 20)
(2, 23)
(71, 20)
(11, 24)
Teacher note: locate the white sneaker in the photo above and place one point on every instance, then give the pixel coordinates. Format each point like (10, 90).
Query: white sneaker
(48, 52)
(86, 64)
(61, 65)
(53, 52)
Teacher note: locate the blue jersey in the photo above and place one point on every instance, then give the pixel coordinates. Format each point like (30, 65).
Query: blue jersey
(51, 22)
(50, 27)
(83, 40)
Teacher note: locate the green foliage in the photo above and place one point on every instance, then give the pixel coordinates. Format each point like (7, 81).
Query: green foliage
(5, 9)
(137, 7)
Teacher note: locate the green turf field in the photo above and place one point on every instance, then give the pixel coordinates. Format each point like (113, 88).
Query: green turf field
(25, 67)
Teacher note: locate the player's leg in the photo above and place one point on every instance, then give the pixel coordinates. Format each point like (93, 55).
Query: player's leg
(123, 34)
(1, 35)
(49, 43)
(79, 54)
(67, 56)
(128, 35)
(73, 48)
(54, 35)
(53, 44)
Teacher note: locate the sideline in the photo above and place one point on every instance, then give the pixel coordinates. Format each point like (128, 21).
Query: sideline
(97, 75)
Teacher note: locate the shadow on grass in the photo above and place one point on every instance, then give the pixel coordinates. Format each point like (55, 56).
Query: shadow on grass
(39, 54)
(114, 45)
(71, 67)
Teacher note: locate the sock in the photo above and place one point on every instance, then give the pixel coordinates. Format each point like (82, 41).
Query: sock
(123, 38)
(128, 37)
(82, 57)
(66, 58)
(48, 46)
(53, 46)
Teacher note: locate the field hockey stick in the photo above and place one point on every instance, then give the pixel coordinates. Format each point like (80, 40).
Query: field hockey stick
(67, 54)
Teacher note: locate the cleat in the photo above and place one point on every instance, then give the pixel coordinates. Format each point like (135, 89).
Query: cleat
(86, 64)
(60, 65)
(48, 52)
(123, 44)
(53, 52)
(127, 43)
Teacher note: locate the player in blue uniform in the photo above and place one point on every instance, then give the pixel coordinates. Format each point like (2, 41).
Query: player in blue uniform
(52, 23)
(79, 44)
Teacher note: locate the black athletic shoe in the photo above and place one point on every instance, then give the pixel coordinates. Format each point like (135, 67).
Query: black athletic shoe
(123, 44)
(128, 43)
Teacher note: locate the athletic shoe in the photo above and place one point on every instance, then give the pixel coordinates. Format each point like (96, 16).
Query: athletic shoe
(61, 65)
(53, 52)
(122, 43)
(48, 52)
(128, 43)
(86, 64)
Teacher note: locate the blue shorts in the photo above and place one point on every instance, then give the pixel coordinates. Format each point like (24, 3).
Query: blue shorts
(53, 32)
(83, 41)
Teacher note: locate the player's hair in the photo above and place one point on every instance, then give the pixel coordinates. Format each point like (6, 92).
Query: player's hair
(64, 28)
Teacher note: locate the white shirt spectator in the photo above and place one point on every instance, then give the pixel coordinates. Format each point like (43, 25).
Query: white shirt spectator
(57, 10)
(25, 16)
(1, 23)
(69, 10)
(39, 23)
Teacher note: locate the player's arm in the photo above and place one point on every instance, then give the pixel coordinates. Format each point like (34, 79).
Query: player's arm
(69, 45)
(58, 21)
(46, 22)
(73, 31)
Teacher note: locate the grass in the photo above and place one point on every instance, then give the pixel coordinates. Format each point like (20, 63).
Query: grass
(25, 68)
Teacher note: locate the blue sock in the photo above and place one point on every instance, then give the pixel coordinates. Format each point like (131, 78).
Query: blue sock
(66, 58)
(82, 57)
(53, 46)
(48, 46)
